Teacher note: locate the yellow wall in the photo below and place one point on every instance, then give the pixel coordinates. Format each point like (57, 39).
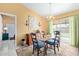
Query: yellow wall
(7, 20)
(21, 12)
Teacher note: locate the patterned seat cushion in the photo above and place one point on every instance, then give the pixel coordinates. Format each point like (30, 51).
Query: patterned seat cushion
(39, 44)
(52, 41)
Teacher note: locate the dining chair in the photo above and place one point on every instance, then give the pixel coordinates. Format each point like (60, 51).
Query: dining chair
(55, 42)
(57, 36)
(37, 44)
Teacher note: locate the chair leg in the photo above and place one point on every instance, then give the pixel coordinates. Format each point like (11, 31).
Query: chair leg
(54, 50)
(34, 48)
(47, 46)
(58, 47)
(38, 52)
(45, 49)
(33, 51)
(59, 42)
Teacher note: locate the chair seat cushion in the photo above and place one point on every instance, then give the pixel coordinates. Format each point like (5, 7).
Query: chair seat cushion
(40, 44)
(52, 41)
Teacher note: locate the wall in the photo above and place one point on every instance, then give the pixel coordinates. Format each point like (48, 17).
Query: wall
(7, 20)
(21, 12)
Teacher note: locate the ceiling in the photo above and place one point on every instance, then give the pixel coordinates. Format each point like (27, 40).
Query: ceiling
(46, 9)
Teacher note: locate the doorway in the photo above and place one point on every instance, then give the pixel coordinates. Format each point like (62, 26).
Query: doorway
(8, 28)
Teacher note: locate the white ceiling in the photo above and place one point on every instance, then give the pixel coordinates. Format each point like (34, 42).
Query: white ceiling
(44, 9)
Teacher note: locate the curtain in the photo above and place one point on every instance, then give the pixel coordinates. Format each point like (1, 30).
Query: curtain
(74, 30)
(50, 27)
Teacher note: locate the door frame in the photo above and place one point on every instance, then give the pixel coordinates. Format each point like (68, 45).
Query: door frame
(15, 18)
(1, 28)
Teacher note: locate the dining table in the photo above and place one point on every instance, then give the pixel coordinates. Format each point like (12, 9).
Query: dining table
(45, 39)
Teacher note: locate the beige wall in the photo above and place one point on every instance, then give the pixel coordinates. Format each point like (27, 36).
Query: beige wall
(21, 12)
(7, 20)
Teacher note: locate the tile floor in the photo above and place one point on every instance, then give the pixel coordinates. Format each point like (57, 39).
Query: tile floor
(7, 48)
(65, 50)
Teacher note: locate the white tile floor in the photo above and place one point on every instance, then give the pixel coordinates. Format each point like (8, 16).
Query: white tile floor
(7, 48)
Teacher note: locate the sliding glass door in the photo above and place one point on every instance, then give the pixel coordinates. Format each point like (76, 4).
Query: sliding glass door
(63, 27)
(69, 30)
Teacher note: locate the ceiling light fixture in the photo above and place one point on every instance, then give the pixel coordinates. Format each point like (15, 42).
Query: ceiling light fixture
(49, 17)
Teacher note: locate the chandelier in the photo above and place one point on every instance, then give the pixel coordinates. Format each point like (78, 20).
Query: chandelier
(49, 17)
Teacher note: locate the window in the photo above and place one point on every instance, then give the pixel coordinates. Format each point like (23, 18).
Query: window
(63, 27)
